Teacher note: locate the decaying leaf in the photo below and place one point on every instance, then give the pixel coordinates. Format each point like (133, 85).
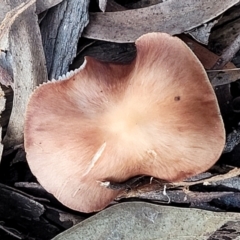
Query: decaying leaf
(5, 78)
(21, 39)
(162, 191)
(41, 5)
(233, 139)
(138, 220)
(102, 5)
(206, 57)
(113, 6)
(226, 30)
(202, 33)
(127, 26)
(2, 107)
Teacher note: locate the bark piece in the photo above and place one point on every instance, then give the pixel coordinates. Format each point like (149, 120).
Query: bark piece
(68, 19)
(230, 230)
(26, 214)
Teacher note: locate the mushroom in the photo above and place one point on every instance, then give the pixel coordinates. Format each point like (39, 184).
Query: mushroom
(156, 116)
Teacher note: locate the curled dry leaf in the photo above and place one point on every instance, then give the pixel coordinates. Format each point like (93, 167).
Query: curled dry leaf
(112, 122)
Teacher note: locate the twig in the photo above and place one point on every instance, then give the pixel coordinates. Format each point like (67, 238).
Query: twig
(142, 180)
(232, 173)
(9, 231)
(227, 56)
(130, 183)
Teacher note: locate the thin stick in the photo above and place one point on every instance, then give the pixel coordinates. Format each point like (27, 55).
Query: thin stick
(226, 57)
(228, 54)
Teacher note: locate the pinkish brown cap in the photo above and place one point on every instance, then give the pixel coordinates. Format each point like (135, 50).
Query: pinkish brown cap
(156, 116)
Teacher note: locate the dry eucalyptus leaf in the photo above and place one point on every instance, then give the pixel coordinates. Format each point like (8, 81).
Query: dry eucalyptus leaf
(141, 3)
(42, 5)
(21, 39)
(127, 26)
(2, 107)
(113, 6)
(5, 78)
(206, 57)
(102, 5)
(139, 220)
(202, 33)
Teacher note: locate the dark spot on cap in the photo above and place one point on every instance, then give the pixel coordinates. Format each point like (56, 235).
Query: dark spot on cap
(177, 98)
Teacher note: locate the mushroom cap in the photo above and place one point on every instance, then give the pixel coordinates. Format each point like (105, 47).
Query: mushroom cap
(156, 116)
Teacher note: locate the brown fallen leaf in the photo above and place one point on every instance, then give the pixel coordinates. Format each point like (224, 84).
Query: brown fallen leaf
(205, 56)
